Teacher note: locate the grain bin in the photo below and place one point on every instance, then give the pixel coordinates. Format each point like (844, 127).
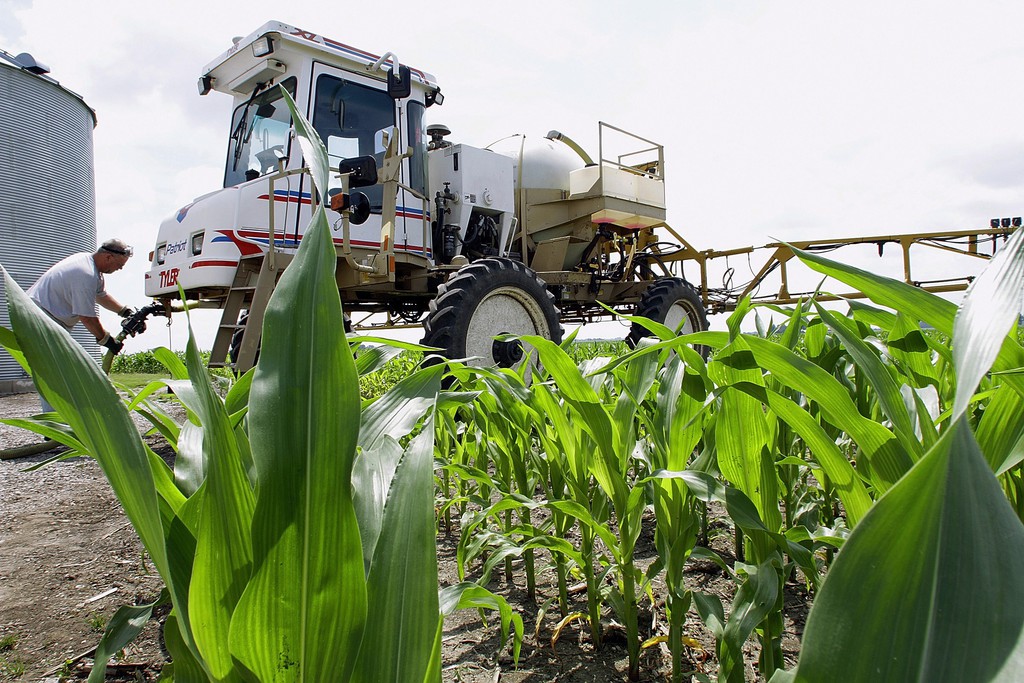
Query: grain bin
(47, 193)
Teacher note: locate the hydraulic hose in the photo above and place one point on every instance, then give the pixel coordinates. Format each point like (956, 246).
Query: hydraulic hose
(29, 450)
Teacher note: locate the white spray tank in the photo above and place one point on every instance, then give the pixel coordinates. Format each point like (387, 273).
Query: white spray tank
(541, 168)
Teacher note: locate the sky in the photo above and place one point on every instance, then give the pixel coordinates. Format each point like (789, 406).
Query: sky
(802, 119)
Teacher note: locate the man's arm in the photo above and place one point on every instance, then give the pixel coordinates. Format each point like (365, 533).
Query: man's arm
(110, 303)
(95, 326)
(103, 338)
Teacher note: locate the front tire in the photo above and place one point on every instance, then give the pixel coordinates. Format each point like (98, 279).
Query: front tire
(487, 298)
(674, 303)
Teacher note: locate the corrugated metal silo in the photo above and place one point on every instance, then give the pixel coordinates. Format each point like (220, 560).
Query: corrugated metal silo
(47, 189)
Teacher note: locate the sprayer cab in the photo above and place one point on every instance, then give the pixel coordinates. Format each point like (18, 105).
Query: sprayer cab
(357, 101)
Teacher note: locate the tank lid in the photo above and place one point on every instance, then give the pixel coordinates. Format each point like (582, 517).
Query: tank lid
(31, 64)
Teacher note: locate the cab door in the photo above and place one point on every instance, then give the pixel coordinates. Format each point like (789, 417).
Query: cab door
(351, 114)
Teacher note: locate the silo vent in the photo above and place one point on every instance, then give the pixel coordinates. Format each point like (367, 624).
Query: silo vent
(29, 63)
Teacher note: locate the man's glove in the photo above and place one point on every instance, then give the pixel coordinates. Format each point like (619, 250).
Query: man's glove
(126, 311)
(112, 344)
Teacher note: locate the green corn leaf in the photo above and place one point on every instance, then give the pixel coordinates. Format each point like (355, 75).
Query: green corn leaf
(373, 358)
(170, 360)
(941, 606)
(742, 434)
(1001, 431)
(908, 345)
(223, 556)
(467, 595)
(400, 408)
(306, 602)
(398, 640)
(847, 483)
(900, 296)
(184, 667)
(237, 398)
(989, 310)
(313, 151)
(372, 475)
(889, 397)
(711, 611)
(579, 394)
(127, 623)
(887, 458)
(73, 383)
(9, 341)
(48, 430)
(754, 600)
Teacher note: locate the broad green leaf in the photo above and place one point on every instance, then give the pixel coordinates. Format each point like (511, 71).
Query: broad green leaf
(48, 430)
(170, 360)
(575, 390)
(744, 456)
(127, 623)
(888, 460)
(754, 600)
(223, 556)
(908, 345)
(398, 640)
(888, 391)
(1000, 432)
(823, 449)
(372, 475)
(313, 151)
(373, 358)
(398, 411)
(9, 341)
(989, 310)
(184, 667)
(74, 384)
(468, 595)
(306, 601)
(940, 604)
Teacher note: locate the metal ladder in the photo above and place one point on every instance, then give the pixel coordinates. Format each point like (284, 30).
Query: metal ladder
(255, 280)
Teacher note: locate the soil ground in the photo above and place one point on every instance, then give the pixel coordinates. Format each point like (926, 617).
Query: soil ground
(69, 559)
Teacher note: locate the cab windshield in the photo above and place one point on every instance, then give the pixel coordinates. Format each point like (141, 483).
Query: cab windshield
(259, 135)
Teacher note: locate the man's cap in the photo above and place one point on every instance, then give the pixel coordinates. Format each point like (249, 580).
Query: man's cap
(116, 246)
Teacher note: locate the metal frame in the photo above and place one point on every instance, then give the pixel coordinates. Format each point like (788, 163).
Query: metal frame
(722, 300)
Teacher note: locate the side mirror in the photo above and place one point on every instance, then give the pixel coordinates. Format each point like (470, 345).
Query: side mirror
(356, 203)
(400, 84)
(360, 205)
(362, 171)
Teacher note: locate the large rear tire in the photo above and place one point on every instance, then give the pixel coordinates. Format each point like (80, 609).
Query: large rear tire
(487, 298)
(674, 303)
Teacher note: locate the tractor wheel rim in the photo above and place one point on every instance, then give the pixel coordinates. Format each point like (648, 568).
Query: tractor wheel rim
(678, 314)
(506, 310)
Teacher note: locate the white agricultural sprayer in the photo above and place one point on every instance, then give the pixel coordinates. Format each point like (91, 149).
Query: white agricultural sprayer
(471, 243)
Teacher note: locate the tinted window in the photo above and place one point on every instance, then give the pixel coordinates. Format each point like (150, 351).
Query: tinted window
(259, 135)
(351, 120)
(418, 142)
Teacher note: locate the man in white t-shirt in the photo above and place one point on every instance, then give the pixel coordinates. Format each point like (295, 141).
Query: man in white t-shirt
(70, 290)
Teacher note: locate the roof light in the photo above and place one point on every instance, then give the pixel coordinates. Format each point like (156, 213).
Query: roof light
(262, 46)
